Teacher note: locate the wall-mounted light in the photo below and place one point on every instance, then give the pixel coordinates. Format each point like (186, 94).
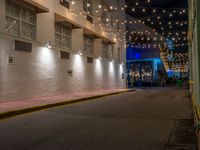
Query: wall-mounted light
(47, 44)
(99, 58)
(79, 53)
(73, 2)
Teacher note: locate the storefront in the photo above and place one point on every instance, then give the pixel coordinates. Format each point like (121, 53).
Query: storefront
(144, 68)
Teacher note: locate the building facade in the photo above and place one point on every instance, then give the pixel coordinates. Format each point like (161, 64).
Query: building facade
(145, 62)
(194, 49)
(58, 46)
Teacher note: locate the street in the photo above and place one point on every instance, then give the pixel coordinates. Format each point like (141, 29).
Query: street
(139, 120)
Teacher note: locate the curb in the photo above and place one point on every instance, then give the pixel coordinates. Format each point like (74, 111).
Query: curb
(9, 114)
(196, 115)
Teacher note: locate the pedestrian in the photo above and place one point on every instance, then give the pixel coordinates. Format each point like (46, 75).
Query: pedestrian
(179, 83)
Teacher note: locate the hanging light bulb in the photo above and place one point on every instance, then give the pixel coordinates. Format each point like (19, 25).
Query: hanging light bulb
(88, 4)
(73, 2)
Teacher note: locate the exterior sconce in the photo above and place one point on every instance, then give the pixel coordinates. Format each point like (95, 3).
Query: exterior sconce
(48, 45)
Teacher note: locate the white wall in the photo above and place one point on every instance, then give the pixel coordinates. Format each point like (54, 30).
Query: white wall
(42, 73)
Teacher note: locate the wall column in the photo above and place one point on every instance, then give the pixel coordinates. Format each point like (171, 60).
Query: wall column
(45, 27)
(77, 40)
(98, 47)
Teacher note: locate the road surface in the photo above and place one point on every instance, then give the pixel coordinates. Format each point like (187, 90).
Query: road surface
(140, 120)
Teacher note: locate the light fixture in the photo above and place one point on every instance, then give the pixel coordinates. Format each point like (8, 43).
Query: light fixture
(47, 44)
(99, 58)
(80, 53)
(73, 2)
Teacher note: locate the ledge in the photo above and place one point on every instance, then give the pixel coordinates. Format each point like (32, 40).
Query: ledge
(96, 35)
(59, 18)
(39, 8)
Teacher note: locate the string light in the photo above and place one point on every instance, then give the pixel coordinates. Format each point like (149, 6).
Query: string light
(121, 34)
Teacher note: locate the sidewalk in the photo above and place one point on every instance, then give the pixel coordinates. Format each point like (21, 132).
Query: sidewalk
(9, 109)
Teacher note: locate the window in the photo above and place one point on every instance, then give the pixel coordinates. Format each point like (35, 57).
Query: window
(90, 60)
(63, 33)
(88, 45)
(88, 6)
(65, 3)
(23, 46)
(105, 51)
(64, 55)
(20, 20)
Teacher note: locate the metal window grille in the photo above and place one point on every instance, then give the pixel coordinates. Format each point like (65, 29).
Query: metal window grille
(63, 35)
(88, 45)
(20, 20)
(105, 51)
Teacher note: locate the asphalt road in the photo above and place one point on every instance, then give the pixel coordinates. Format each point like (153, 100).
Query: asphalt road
(140, 120)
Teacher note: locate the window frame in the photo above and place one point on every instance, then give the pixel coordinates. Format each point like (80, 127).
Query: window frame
(21, 20)
(63, 26)
(105, 51)
(88, 45)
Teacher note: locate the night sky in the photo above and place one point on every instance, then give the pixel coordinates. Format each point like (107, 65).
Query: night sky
(161, 3)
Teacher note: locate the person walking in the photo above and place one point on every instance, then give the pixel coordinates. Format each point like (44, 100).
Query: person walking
(179, 83)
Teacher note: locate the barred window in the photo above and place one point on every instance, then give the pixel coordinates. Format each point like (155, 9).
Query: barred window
(88, 6)
(105, 51)
(63, 34)
(20, 20)
(88, 45)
